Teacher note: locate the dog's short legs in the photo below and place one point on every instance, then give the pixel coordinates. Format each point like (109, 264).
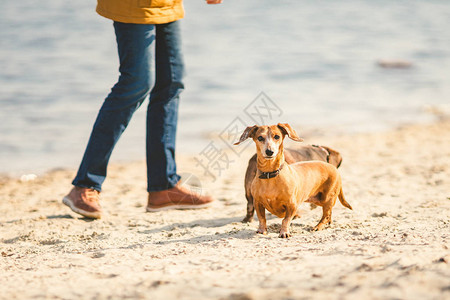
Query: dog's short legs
(326, 217)
(250, 210)
(261, 213)
(291, 212)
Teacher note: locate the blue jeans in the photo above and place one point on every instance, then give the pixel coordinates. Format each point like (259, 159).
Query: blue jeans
(135, 44)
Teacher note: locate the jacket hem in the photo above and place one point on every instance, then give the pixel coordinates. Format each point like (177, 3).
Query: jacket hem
(142, 20)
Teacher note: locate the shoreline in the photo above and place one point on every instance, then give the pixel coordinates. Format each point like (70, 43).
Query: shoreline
(394, 244)
(436, 115)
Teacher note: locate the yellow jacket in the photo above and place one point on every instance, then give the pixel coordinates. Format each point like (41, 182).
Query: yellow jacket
(141, 11)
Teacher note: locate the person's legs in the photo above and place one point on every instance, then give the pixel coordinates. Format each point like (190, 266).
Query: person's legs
(135, 52)
(135, 47)
(162, 112)
(162, 115)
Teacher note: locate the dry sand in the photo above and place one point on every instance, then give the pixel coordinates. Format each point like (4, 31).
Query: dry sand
(394, 245)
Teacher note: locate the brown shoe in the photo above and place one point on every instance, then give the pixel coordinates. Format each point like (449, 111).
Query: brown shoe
(84, 201)
(178, 197)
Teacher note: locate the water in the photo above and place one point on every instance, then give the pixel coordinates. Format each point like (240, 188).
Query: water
(315, 59)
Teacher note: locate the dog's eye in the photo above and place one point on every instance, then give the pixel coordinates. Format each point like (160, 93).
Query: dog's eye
(260, 138)
(277, 137)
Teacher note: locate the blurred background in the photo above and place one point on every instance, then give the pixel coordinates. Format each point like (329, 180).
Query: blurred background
(338, 66)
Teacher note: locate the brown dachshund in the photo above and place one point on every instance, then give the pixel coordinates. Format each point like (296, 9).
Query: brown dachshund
(302, 153)
(280, 187)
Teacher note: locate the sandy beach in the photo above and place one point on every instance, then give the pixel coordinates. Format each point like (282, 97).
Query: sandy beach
(393, 245)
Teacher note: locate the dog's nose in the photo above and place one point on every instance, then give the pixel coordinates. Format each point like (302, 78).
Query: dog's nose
(269, 152)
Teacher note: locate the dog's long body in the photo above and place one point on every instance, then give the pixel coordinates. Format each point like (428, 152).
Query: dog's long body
(280, 187)
(302, 153)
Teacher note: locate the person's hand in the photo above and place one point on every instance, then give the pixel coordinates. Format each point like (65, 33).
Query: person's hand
(213, 1)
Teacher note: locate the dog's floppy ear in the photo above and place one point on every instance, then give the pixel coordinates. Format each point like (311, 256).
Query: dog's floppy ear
(334, 157)
(287, 130)
(248, 133)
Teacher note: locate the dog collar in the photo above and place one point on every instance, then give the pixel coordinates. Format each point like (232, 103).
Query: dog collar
(268, 175)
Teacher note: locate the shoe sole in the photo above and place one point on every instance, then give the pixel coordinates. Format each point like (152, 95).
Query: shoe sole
(92, 215)
(179, 206)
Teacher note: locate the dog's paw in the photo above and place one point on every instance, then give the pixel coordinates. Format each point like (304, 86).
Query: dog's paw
(284, 235)
(262, 231)
(318, 227)
(321, 226)
(247, 220)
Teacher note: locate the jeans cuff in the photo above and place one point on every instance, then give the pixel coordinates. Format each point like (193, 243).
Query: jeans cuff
(97, 188)
(171, 182)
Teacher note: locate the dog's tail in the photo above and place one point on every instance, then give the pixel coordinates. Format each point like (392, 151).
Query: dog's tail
(342, 199)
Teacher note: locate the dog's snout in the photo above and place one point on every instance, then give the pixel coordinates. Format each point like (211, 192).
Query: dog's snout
(269, 152)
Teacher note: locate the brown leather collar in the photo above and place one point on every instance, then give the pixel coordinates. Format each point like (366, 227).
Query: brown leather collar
(268, 175)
